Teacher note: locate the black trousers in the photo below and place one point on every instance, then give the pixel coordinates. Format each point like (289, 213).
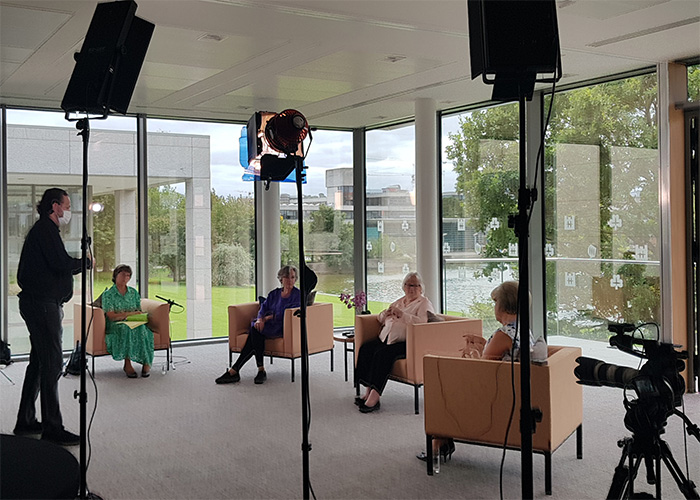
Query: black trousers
(375, 361)
(44, 322)
(254, 345)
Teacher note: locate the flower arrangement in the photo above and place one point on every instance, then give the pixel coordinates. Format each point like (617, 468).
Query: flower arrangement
(358, 301)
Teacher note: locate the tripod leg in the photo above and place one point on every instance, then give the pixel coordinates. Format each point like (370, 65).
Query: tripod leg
(623, 479)
(685, 485)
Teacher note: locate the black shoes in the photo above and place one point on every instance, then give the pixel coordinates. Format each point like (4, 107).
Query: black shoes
(359, 401)
(32, 429)
(227, 378)
(62, 437)
(446, 451)
(261, 377)
(369, 409)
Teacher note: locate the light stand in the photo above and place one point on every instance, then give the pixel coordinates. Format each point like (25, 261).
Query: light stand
(275, 147)
(103, 79)
(525, 196)
(305, 402)
(84, 126)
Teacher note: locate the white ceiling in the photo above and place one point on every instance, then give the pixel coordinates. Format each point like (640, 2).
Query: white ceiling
(343, 63)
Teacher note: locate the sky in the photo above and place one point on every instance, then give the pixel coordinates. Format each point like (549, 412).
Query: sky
(390, 153)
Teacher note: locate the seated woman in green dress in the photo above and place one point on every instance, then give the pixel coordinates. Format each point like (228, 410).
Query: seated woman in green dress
(124, 342)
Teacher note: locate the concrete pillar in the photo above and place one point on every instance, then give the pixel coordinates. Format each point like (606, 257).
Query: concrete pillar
(269, 261)
(198, 251)
(125, 229)
(427, 213)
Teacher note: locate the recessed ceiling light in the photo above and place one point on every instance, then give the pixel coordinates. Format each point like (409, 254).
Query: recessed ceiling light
(211, 37)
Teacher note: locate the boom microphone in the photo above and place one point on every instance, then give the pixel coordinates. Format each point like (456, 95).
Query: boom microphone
(169, 301)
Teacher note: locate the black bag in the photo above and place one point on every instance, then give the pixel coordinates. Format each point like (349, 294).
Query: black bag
(73, 364)
(5, 353)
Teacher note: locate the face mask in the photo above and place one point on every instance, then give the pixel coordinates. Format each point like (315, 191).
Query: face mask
(65, 218)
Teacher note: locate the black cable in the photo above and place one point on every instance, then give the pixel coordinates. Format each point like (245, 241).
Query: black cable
(512, 407)
(540, 150)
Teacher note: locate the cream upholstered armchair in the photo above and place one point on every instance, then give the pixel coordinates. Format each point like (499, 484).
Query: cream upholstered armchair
(319, 331)
(470, 400)
(442, 337)
(158, 321)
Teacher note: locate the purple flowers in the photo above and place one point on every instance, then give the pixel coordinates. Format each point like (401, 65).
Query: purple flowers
(358, 301)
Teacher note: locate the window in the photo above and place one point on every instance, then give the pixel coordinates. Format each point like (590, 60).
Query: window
(328, 222)
(480, 180)
(391, 222)
(602, 208)
(42, 150)
(201, 224)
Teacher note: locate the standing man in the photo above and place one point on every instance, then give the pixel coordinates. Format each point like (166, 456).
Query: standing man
(45, 275)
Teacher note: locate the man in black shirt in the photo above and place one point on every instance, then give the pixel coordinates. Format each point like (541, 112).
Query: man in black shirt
(45, 275)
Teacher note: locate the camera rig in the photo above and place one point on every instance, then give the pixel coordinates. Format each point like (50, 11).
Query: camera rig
(659, 387)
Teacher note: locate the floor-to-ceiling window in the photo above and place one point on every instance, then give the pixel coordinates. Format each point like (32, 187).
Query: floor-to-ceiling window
(390, 212)
(602, 208)
(479, 191)
(44, 151)
(201, 224)
(328, 219)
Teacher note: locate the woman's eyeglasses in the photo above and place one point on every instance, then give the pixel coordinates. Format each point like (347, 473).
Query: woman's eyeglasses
(411, 285)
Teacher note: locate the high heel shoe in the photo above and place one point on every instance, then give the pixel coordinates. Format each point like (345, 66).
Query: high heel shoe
(446, 451)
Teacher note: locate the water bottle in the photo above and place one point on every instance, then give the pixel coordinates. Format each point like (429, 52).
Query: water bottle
(436, 459)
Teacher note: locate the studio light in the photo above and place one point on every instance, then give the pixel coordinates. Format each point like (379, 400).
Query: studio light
(275, 143)
(96, 207)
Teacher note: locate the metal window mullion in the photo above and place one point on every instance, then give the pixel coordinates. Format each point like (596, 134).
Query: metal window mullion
(142, 194)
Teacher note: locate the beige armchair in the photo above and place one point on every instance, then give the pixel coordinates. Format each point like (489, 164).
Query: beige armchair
(469, 400)
(158, 321)
(319, 331)
(440, 338)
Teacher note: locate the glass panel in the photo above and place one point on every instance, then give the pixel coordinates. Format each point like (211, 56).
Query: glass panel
(201, 224)
(694, 83)
(391, 213)
(44, 151)
(328, 220)
(602, 229)
(480, 180)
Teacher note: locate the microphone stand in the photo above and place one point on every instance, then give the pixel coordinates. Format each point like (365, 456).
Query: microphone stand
(170, 362)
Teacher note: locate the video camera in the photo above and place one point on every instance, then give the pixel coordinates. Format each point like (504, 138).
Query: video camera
(658, 384)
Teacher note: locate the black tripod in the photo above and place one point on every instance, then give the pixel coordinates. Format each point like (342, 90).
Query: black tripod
(650, 447)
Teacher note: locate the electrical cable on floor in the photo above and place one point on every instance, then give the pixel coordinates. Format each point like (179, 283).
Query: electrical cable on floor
(512, 407)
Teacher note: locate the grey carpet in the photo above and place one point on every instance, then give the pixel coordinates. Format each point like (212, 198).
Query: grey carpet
(179, 435)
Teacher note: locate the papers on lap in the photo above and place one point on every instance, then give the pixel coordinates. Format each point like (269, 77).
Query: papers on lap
(135, 320)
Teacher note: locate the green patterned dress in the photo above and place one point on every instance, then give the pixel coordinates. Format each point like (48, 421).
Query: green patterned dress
(123, 342)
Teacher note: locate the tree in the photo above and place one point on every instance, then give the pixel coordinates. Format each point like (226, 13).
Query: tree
(166, 230)
(103, 233)
(619, 117)
(485, 156)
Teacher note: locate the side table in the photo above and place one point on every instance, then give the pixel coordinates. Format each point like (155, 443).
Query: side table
(347, 338)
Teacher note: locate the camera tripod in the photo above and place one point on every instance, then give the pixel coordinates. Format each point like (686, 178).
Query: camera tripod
(653, 450)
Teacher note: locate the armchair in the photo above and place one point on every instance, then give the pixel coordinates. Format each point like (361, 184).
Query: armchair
(319, 330)
(158, 322)
(442, 338)
(469, 400)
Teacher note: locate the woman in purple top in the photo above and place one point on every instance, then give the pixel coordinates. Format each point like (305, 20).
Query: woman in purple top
(268, 325)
